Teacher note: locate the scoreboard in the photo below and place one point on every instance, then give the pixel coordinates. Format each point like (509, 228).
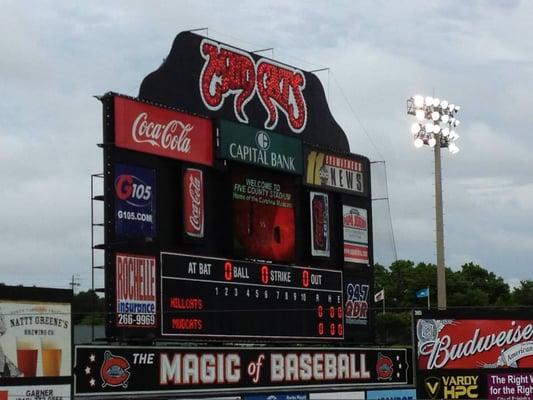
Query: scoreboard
(233, 207)
(210, 297)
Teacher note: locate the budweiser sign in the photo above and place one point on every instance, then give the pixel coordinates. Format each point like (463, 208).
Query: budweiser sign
(193, 202)
(155, 130)
(474, 343)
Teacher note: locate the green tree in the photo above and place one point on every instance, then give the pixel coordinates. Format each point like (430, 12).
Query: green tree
(523, 295)
(84, 305)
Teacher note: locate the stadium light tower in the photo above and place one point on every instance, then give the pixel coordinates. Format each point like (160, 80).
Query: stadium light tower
(435, 127)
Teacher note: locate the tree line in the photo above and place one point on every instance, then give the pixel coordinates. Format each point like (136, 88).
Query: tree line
(470, 286)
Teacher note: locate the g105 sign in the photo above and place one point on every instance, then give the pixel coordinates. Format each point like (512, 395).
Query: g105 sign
(122, 370)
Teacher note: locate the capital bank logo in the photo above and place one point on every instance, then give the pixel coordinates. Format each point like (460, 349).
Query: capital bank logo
(115, 371)
(452, 387)
(262, 139)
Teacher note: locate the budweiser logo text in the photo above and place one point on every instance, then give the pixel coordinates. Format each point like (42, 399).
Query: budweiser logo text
(441, 349)
(173, 135)
(228, 71)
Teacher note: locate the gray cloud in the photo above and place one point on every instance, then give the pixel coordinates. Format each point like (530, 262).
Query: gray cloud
(56, 55)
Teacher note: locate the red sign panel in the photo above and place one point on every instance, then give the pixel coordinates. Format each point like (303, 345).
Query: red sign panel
(193, 202)
(150, 129)
(474, 343)
(135, 291)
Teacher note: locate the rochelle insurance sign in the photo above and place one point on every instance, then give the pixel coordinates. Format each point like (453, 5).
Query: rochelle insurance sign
(266, 149)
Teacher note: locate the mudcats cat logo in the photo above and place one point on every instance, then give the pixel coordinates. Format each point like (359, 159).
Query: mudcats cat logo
(231, 72)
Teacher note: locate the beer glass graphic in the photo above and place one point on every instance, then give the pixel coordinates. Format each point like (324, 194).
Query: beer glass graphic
(51, 356)
(27, 356)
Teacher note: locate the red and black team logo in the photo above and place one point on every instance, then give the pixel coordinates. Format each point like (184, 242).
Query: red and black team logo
(114, 371)
(384, 367)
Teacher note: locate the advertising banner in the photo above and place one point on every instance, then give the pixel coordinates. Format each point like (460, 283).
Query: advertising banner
(446, 384)
(163, 132)
(355, 234)
(134, 201)
(391, 394)
(337, 396)
(135, 291)
(474, 343)
(277, 396)
(320, 227)
(356, 298)
(337, 173)
(124, 370)
(193, 202)
(474, 354)
(36, 392)
(263, 215)
(35, 339)
(239, 142)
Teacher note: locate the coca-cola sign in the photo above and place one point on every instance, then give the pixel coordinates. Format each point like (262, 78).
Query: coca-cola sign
(474, 343)
(193, 202)
(163, 132)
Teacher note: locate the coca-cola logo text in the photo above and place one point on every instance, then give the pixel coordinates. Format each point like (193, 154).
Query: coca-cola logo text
(173, 135)
(195, 195)
(355, 221)
(228, 71)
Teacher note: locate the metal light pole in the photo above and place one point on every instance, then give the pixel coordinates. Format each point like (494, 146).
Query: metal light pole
(435, 128)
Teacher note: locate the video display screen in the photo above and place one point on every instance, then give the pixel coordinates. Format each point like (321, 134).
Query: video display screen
(263, 215)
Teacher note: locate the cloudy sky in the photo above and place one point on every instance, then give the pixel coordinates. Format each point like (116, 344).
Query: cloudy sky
(56, 55)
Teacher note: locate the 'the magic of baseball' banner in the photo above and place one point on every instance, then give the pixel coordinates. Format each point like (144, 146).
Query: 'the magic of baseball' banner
(156, 130)
(125, 370)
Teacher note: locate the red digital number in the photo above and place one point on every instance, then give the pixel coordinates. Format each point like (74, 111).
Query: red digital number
(321, 328)
(339, 312)
(228, 271)
(264, 274)
(332, 329)
(332, 312)
(305, 278)
(320, 311)
(340, 329)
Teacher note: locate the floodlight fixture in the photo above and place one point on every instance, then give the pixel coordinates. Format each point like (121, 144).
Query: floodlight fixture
(435, 127)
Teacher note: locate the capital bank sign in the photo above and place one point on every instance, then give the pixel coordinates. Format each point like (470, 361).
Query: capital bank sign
(243, 143)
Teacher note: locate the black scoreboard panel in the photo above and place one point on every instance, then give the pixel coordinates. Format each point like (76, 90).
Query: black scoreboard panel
(215, 298)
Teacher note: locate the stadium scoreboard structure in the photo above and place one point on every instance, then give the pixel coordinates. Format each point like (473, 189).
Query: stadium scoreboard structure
(234, 209)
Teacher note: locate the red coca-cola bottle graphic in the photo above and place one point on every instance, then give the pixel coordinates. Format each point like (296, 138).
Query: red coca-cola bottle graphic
(320, 224)
(193, 202)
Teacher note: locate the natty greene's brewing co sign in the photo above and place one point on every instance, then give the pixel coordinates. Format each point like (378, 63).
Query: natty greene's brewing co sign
(258, 147)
